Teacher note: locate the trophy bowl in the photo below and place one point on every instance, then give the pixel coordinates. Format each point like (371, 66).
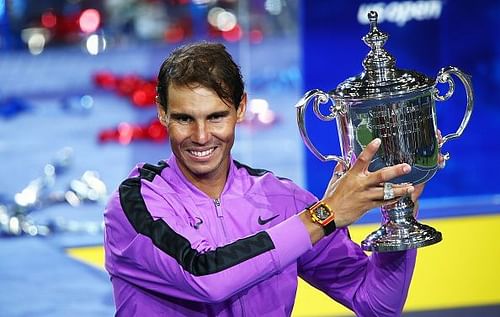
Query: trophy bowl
(397, 106)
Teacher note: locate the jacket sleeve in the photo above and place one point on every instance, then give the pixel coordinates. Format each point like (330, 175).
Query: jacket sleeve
(375, 285)
(168, 257)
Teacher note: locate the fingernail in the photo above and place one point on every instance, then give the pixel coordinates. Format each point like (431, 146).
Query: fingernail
(377, 141)
(406, 168)
(410, 190)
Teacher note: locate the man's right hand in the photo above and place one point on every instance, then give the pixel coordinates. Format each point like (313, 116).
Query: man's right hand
(359, 190)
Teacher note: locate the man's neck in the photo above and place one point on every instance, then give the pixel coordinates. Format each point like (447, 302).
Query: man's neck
(213, 189)
(211, 185)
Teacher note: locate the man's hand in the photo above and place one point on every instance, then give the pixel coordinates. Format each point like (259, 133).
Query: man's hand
(359, 190)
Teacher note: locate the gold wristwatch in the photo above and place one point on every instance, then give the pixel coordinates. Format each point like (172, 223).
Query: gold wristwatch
(323, 215)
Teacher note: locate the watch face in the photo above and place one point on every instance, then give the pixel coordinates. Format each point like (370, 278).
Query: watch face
(322, 213)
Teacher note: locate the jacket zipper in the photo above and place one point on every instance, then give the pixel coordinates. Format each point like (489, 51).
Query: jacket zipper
(220, 215)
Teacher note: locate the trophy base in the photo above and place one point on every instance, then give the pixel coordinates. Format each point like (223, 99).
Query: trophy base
(393, 236)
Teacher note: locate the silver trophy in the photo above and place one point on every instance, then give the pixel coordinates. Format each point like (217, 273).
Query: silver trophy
(397, 106)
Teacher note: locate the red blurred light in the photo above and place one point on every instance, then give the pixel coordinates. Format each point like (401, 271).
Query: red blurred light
(174, 34)
(144, 95)
(150, 93)
(90, 20)
(234, 34)
(128, 84)
(107, 135)
(67, 28)
(125, 133)
(105, 80)
(156, 131)
(139, 98)
(49, 19)
(256, 36)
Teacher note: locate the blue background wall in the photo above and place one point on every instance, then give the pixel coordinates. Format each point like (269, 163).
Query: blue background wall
(459, 33)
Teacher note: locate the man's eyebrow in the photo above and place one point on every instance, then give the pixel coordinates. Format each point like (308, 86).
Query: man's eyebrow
(219, 113)
(177, 115)
(182, 115)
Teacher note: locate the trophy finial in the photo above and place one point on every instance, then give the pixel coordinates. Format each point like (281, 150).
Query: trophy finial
(379, 64)
(372, 17)
(375, 38)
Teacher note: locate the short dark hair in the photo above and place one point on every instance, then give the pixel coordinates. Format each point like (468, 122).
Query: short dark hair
(205, 64)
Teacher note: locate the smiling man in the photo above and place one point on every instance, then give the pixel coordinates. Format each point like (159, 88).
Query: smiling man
(201, 234)
(201, 137)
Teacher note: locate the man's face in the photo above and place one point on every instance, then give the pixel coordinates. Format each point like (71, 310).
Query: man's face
(201, 131)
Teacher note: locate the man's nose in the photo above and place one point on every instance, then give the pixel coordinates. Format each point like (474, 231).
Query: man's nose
(201, 133)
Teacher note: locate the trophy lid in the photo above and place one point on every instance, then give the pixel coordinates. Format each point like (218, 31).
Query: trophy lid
(380, 79)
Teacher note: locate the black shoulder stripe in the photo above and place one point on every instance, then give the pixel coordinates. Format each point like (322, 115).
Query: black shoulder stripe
(255, 171)
(149, 171)
(252, 171)
(177, 246)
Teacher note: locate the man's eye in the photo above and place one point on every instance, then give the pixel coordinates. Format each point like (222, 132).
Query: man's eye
(184, 119)
(216, 117)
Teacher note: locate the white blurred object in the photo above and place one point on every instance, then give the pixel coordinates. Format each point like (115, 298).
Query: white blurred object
(88, 188)
(35, 38)
(15, 217)
(259, 114)
(95, 44)
(35, 192)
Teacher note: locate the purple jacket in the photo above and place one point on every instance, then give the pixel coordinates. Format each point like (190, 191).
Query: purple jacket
(173, 251)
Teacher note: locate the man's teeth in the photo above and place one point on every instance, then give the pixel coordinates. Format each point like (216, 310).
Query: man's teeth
(201, 153)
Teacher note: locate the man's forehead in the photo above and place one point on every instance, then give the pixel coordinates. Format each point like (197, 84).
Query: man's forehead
(196, 98)
(199, 109)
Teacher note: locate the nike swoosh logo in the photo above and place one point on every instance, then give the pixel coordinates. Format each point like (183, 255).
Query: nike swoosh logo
(198, 223)
(264, 221)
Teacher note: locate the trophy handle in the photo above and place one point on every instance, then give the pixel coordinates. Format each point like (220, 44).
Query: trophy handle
(319, 97)
(444, 77)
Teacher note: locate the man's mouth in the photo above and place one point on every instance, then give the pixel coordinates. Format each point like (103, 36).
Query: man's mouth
(203, 153)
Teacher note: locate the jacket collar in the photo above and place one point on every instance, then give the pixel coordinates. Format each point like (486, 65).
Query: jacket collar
(190, 188)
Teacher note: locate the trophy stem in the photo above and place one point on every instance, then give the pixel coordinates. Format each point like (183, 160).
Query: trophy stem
(400, 230)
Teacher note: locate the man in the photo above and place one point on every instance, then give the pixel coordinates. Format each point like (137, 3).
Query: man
(201, 234)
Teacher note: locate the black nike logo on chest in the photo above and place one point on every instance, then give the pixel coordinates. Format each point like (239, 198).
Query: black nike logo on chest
(198, 223)
(264, 221)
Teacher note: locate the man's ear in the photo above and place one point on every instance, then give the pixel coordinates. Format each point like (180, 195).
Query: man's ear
(162, 115)
(240, 113)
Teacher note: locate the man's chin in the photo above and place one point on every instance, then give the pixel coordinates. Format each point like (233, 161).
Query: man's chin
(202, 170)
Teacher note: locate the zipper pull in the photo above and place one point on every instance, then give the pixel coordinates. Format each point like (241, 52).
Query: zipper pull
(217, 207)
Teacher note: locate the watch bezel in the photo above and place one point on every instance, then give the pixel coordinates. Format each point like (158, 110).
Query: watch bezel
(328, 224)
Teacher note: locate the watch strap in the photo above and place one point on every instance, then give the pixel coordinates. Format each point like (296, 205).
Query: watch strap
(329, 227)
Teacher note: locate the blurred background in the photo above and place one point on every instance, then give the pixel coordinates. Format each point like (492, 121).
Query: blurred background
(77, 113)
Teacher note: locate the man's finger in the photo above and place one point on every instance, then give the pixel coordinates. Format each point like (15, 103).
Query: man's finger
(387, 173)
(377, 193)
(365, 157)
(338, 171)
